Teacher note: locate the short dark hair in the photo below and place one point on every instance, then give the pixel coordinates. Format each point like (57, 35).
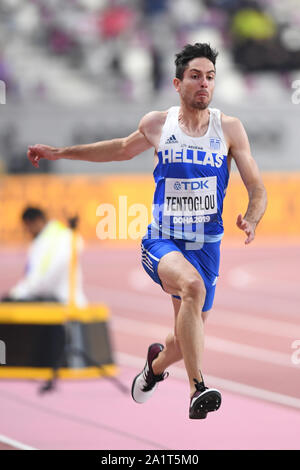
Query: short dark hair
(32, 213)
(190, 52)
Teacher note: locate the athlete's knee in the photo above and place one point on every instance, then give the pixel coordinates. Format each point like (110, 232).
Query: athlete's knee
(193, 289)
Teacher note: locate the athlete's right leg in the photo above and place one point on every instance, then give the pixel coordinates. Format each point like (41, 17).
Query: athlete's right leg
(172, 352)
(166, 265)
(178, 276)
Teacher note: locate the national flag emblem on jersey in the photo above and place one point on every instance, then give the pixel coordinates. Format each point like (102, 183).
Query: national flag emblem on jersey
(215, 143)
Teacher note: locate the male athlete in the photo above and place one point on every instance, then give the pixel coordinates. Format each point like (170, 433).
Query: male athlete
(194, 146)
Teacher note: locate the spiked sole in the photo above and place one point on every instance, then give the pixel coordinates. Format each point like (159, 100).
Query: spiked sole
(207, 402)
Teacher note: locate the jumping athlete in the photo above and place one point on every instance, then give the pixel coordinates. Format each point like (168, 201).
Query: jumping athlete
(194, 146)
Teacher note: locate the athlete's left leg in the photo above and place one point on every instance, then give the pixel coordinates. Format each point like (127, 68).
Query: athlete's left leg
(172, 352)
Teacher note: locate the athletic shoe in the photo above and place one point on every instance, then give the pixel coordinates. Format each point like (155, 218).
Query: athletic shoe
(203, 401)
(145, 383)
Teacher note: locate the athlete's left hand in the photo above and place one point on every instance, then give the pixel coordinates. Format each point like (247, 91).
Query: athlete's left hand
(247, 227)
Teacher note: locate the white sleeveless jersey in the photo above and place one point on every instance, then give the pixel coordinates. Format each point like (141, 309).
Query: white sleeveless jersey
(191, 178)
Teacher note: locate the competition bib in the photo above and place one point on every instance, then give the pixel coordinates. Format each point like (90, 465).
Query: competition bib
(190, 199)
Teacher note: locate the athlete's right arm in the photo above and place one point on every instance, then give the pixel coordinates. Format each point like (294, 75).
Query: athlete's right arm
(104, 151)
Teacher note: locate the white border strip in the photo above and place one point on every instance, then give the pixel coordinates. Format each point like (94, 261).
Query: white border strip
(228, 385)
(12, 442)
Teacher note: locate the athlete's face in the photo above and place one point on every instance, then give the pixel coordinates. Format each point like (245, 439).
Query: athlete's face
(197, 86)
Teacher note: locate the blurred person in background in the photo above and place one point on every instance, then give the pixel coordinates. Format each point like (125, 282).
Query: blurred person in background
(48, 265)
(194, 147)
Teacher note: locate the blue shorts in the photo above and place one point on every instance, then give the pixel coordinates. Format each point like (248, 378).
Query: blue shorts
(206, 260)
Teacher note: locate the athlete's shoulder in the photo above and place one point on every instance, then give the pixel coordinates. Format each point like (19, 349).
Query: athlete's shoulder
(153, 119)
(234, 131)
(151, 126)
(229, 120)
(231, 125)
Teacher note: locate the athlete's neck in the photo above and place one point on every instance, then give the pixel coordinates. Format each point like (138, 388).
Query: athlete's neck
(193, 121)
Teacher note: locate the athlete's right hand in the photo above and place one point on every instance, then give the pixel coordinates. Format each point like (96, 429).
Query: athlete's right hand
(36, 152)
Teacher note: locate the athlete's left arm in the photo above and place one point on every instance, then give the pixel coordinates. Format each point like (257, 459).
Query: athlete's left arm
(239, 150)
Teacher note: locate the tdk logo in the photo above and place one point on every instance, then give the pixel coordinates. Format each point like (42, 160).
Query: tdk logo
(191, 185)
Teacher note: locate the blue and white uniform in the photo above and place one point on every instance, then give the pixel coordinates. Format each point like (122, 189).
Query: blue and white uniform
(191, 179)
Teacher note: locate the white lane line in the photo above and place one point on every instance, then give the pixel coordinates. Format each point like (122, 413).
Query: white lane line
(212, 343)
(161, 306)
(14, 443)
(248, 352)
(228, 385)
(256, 324)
